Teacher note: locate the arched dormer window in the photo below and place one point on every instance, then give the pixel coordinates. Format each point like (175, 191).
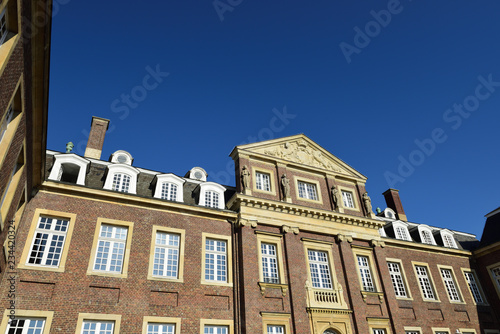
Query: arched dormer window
(401, 231)
(212, 195)
(426, 236)
(197, 173)
(121, 157)
(170, 187)
(448, 239)
(70, 168)
(389, 213)
(122, 178)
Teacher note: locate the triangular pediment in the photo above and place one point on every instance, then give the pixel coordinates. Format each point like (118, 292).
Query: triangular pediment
(301, 150)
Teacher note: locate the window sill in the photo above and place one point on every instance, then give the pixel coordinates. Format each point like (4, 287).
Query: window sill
(41, 268)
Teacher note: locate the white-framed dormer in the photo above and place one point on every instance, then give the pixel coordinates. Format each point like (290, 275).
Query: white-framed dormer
(197, 173)
(212, 195)
(170, 187)
(448, 238)
(69, 167)
(122, 178)
(426, 236)
(401, 230)
(121, 157)
(389, 213)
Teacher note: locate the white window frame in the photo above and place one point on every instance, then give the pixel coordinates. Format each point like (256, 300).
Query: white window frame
(270, 262)
(170, 250)
(114, 244)
(122, 169)
(348, 199)
(69, 158)
(275, 329)
(173, 180)
(228, 260)
(262, 181)
(51, 234)
(425, 282)
(401, 231)
(425, 233)
(319, 266)
(307, 190)
(448, 239)
(3, 25)
(219, 257)
(98, 318)
(398, 279)
(33, 325)
(367, 280)
(101, 326)
(161, 321)
(450, 284)
(207, 187)
(494, 271)
(474, 287)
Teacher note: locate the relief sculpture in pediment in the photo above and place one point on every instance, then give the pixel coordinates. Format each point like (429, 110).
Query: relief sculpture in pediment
(300, 151)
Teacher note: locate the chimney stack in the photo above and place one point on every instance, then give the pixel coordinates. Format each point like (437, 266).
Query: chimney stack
(98, 129)
(394, 202)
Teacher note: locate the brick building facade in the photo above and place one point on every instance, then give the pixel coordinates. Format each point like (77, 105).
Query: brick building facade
(295, 247)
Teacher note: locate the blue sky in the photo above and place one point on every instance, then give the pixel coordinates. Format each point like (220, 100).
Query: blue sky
(406, 92)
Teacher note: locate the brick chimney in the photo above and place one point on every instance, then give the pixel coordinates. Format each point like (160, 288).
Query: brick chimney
(98, 129)
(394, 202)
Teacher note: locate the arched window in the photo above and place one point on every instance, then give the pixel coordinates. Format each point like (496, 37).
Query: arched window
(169, 187)
(212, 195)
(426, 235)
(121, 182)
(122, 178)
(401, 231)
(69, 167)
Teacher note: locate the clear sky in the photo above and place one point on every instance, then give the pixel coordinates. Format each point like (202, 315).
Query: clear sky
(406, 92)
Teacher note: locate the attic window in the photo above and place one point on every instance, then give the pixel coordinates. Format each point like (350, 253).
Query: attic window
(212, 195)
(401, 232)
(69, 168)
(169, 187)
(122, 178)
(121, 157)
(448, 240)
(426, 235)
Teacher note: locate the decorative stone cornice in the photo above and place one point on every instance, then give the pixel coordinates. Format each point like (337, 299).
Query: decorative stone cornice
(263, 286)
(286, 229)
(240, 200)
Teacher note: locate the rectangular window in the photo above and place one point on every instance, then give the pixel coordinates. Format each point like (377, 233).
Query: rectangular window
(320, 270)
(366, 276)
(427, 237)
(473, 287)
(26, 326)
(397, 279)
(347, 199)
(216, 329)
(111, 248)
(401, 233)
(169, 191)
(166, 255)
(450, 285)
(271, 329)
(495, 273)
(211, 199)
(5, 123)
(263, 181)
(425, 282)
(159, 328)
(412, 332)
(48, 242)
(307, 191)
(215, 260)
(269, 257)
(97, 327)
(121, 182)
(448, 241)
(3, 26)
(379, 331)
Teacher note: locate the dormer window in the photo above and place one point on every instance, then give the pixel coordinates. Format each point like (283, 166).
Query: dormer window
(448, 239)
(212, 195)
(121, 182)
(426, 235)
(197, 173)
(389, 213)
(121, 157)
(69, 168)
(169, 187)
(122, 178)
(401, 231)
